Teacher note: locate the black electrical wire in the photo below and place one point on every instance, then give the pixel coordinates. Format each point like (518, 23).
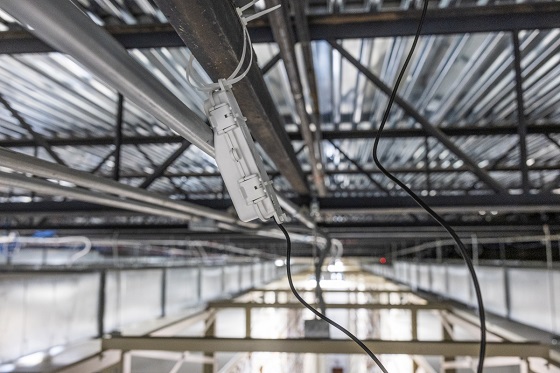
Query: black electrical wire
(419, 201)
(319, 314)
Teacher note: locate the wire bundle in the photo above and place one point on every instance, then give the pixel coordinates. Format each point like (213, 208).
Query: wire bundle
(421, 203)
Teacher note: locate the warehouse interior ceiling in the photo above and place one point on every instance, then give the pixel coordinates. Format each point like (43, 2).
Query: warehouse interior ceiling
(474, 130)
(121, 249)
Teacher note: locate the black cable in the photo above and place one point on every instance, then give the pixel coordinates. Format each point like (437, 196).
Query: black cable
(319, 314)
(419, 201)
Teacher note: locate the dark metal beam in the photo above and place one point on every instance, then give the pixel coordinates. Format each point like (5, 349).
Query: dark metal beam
(531, 223)
(102, 162)
(148, 158)
(447, 204)
(165, 165)
(451, 131)
(270, 64)
(118, 138)
(284, 37)
(445, 21)
(522, 126)
(361, 169)
(553, 141)
(395, 170)
(37, 138)
(213, 33)
(386, 205)
(426, 125)
(494, 165)
(302, 31)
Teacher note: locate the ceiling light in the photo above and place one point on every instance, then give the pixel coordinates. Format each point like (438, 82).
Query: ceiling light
(32, 359)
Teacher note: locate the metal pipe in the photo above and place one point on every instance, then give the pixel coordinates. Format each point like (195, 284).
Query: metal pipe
(490, 240)
(286, 41)
(276, 233)
(46, 187)
(24, 163)
(296, 212)
(62, 25)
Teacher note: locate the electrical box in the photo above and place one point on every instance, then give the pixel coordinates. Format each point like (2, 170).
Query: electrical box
(316, 328)
(239, 163)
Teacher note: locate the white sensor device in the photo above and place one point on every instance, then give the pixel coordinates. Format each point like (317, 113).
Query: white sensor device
(239, 163)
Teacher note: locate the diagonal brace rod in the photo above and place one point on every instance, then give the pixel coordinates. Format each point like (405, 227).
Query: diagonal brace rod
(270, 64)
(37, 138)
(102, 162)
(360, 168)
(165, 165)
(428, 127)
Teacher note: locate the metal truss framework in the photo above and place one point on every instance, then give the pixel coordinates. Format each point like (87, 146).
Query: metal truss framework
(207, 29)
(164, 341)
(338, 26)
(510, 18)
(330, 346)
(387, 205)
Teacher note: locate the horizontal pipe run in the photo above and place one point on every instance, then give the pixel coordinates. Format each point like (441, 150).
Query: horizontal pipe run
(66, 28)
(28, 164)
(487, 240)
(49, 188)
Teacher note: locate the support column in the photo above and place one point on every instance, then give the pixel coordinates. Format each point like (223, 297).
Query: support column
(522, 125)
(414, 324)
(126, 362)
(210, 331)
(163, 291)
(474, 242)
(101, 303)
(199, 284)
(447, 336)
(118, 138)
(248, 322)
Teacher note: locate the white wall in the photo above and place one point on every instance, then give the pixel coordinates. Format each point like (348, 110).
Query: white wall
(534, 294)
(40, 310)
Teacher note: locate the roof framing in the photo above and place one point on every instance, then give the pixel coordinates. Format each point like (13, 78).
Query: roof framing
(390, 133)
(337, 26)
(385, 205)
